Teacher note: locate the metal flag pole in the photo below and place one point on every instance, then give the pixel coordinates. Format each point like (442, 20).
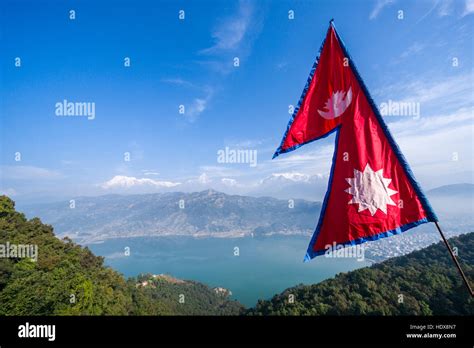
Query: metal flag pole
(454, 259)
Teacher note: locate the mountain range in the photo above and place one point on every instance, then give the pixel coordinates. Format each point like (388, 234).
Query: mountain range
(211, 213)
(200, 214)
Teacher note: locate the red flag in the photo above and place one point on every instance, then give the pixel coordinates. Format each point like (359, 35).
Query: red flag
(372, 193)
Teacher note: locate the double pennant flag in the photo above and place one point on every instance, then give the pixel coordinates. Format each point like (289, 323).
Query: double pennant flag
(372, 192)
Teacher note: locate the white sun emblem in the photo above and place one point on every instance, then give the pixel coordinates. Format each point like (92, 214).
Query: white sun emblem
(370, 190)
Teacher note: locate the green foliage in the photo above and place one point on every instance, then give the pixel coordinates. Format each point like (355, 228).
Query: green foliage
(70, 280)
(196, 298)
(427, 279)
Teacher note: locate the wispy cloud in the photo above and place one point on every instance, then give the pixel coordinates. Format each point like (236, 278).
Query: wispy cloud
(379, 6)
(414, 48)
(198, 105)
(439, 148)
(150, 173)
(435, 95)
(195, 109)
(445, 8)
(451, 93)
(409, 127)
(445, 128)
(233, 37)
(450, 7)
(179, 82)
(230, 33)
(469, 7)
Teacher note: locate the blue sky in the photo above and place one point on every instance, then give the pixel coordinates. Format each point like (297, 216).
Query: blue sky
(426, 57)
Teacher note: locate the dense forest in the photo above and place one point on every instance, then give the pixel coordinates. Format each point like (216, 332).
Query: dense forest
(425, 282)
(67, 279)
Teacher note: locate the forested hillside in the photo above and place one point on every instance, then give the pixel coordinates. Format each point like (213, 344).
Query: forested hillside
(67, 279)
(425, 282)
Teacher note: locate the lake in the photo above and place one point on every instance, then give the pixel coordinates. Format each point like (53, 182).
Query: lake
(251, 268)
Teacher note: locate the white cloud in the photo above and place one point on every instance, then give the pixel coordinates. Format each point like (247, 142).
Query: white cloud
(28, 173)
(309, 160)
(229, 182)
(203, 179)
(229, 34)
(198, 105)
(379, 6)
(196, 108)
(122, 181)
(434, 95)
(469, 7)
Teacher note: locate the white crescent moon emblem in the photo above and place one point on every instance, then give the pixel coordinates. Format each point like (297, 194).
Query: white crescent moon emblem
(337, 103)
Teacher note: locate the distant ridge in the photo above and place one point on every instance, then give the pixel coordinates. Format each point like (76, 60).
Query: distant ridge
(210, 213)
(207, 213)
(464, 189)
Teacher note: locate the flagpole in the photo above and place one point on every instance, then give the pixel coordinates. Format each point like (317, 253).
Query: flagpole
(454, 259)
